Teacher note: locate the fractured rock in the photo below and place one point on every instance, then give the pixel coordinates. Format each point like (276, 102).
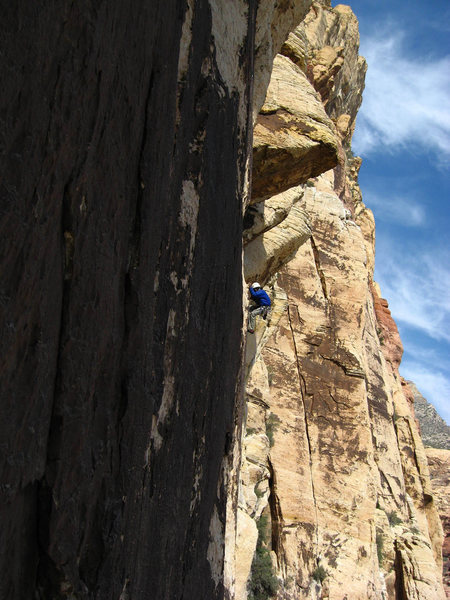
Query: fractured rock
(293, 138)
(434, 430)
(352, 510)
(264, 255)
(439, 465)
(269, 213)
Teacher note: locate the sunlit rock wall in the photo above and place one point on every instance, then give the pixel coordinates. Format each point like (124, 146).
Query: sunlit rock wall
(439, 465)
(331, 453)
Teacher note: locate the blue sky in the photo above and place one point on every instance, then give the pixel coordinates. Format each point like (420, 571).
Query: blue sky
(403, 135)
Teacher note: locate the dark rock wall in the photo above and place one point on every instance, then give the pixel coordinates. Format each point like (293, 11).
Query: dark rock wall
(121, 292)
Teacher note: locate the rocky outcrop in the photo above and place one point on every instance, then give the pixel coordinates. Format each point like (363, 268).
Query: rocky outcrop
(274, 21)
(439, 465)
(293, 138)
(387, 329)
(332, 456)
(340, 470)
(434, 430)
(268, 252)
(326, 47)
(436, 437)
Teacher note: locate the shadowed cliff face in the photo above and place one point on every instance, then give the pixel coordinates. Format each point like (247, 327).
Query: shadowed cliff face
(124, 149)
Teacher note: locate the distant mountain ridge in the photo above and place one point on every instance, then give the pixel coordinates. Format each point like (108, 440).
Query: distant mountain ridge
(435, 431)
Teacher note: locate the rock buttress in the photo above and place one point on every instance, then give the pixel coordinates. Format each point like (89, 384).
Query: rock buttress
(332, 457)
(439, 465)
(124, 151)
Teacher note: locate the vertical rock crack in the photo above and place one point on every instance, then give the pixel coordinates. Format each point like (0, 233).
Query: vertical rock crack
(302, 386)
(319, 268)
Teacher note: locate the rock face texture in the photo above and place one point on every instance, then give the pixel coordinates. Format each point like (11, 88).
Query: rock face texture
(127, 216)
(125, 147)
(109, 266)
(435, 434)
(293, 138)
(436, 437)
(439, 465)
(332, 456)
(434, 430)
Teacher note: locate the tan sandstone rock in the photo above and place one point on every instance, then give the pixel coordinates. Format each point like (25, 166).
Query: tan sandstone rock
(319, 396)
(274, 21)
(346, 442)
(265, 254)
(439, 466)
(245, 547)
(325, 45)
(265, 215)
(293, 137)
(331, 448)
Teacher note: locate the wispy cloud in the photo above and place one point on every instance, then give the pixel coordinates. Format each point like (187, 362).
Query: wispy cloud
(405, 101)
(400, 210)
(429, 356)
(432, 384)
(417, 286)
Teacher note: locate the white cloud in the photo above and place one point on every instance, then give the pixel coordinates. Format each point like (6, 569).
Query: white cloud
(405, 211)
(432, 384)
(417, 287)
(405, 101)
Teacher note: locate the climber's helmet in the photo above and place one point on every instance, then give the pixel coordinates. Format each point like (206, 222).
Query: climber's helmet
(255, 285)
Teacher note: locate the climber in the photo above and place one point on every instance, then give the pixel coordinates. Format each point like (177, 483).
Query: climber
(261, 305)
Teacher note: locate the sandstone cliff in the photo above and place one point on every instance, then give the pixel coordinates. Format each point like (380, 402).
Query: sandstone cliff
(436, 437)
(439, 464)
(333, 466)
(126, 149)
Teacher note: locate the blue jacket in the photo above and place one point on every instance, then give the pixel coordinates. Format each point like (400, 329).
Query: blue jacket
(260, 297)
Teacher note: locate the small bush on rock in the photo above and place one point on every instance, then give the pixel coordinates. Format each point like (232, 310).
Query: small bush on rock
(319, 574)
(272, 424)
(263, 583)
(393, 518)
(380, 546)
